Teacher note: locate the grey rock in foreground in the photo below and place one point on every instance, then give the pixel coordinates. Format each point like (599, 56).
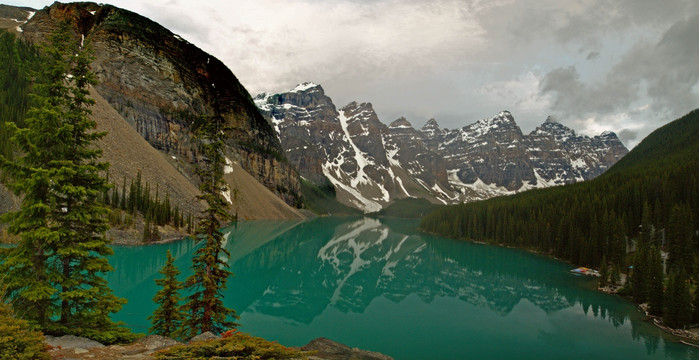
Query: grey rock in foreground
(72, 341)
(327, 349)
(156, 342)
(203, 337)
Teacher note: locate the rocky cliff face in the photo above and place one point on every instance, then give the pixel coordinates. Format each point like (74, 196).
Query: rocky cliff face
(159, 83)
(351, 149)
(371, 164)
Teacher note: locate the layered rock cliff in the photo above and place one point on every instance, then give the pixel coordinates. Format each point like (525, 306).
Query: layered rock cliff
(159, 83)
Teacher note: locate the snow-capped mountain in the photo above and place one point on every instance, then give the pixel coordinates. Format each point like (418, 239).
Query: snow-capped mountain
(370, 164)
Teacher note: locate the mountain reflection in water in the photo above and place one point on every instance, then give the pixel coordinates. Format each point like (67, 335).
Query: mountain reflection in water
(380, 284)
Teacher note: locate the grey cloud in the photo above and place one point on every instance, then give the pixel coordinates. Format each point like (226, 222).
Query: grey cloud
(627, 136)
(592, 55)
(518, 24)
(665, 70)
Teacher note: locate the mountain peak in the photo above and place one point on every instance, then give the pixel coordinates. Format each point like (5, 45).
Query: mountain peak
(430, 124)
(355, 106)
(306, 86)
(504, 117)
(400, 123)
(552, 127)
(504, 114)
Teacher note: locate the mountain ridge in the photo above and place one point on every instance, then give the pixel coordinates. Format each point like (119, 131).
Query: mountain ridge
(371, 163)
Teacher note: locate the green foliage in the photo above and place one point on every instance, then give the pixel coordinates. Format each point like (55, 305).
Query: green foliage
(139, 199)
(640, 276)
(656, 296)
(615, 276)
(167, 319)
(695, 305)
(680, 239)
(17, 340)
(234, 345)
(18, 60)
(408, 208)
(55, 273)
(604, 272)
(678, 309)
(321, 199)
(204, 305)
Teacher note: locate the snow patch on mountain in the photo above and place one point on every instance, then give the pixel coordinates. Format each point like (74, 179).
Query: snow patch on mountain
(303, 87)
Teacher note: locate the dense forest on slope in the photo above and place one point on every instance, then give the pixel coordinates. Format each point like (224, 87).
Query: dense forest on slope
(587, 221)
(17, 59)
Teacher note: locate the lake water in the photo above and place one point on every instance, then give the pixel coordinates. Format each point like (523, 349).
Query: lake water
(381, 285)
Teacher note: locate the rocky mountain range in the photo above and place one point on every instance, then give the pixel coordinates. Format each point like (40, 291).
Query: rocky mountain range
(371, 164)
(155, 83)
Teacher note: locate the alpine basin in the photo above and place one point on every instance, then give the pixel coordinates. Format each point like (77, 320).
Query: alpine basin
(384, 286)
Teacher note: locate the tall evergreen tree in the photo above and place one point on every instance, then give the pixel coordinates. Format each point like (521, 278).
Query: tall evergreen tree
(167, 319)
(204, 306)
(640, 274)
(61, 222)
(78, 217)
(655, 282)
(681, 250)
(604, 273)
(678, 310)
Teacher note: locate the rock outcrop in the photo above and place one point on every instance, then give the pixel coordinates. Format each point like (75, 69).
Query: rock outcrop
(326, 349)
(160, 84)
(367, 162)
(371, 164)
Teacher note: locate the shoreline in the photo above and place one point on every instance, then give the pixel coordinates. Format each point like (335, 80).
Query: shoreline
(688, 337)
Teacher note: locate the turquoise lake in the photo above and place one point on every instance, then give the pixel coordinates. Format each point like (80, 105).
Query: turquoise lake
(382, 285)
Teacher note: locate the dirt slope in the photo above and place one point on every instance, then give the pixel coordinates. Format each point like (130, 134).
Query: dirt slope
(127, 152)
(254, 201)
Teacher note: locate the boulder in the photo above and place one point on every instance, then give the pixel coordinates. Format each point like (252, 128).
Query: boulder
(72, 342)
(326, 349)
(203, 337)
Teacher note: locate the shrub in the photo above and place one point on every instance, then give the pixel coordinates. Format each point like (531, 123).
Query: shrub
(17, 340)
(232, 345)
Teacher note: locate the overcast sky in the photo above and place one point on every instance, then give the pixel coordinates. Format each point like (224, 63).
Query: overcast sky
(628, 66)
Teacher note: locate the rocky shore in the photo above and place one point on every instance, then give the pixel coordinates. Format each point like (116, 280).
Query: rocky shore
(689, 336)
(78, 348)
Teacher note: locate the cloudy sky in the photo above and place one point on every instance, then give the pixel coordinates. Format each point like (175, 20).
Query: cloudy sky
(628, 66)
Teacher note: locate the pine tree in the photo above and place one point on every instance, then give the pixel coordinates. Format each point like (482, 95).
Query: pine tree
(604, 273)
(695, 304)
(167, 319)
(678, 304)
(27, 268)
(679, 238)
(615, 277)
(647, 229)
(61, 222)
(155, 233)
(655, 283)
(146, 230)
(204, 306)
(122, 202)
(115, 197)
(639, 276)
